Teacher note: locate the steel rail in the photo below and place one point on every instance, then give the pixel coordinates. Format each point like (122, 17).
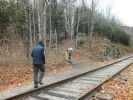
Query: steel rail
(94, 90)
(38, 90)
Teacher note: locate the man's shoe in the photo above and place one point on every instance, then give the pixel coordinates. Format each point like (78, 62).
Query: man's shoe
(35, 86)
(40, 83)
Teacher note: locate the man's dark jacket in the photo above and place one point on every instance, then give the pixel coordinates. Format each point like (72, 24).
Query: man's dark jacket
(38, 54)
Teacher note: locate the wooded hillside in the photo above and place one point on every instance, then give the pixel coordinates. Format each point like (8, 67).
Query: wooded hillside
(24, 22)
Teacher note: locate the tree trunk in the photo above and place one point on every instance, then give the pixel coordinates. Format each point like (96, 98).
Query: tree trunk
(44, 16)
(50, 27)
(56, 40)
(30, 32)
(39, 19)
(34, 25)
(92, 17)
(77, 35)
(69, 17)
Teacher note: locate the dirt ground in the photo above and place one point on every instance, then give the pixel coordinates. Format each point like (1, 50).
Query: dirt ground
(16, 75)
(120, 87)
(12, 75)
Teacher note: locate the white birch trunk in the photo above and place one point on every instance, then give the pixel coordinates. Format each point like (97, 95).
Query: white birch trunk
(30, 29)
(72, 22)
(34, 27)
(44, 16)
(77, 35)
(56, 40)
(88, 25)
(66, 21)
(69, 17)
(39, 19)
(92, 17)
(50, 27)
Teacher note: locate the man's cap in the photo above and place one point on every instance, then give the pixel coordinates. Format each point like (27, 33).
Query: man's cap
(41, 43)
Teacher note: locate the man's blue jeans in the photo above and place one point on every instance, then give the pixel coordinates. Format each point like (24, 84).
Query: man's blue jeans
(36, 68)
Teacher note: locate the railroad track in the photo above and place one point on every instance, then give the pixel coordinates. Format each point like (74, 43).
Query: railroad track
(78, 87)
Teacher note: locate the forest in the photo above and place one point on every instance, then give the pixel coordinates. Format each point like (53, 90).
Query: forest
(23, 22)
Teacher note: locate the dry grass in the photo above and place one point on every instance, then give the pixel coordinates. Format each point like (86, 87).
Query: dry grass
(118, 88)
(89, 51)
(15, 64)
(13, 57)
(123, 48)
(16, 75)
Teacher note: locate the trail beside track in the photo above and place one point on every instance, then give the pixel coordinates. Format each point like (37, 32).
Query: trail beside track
(77, 87)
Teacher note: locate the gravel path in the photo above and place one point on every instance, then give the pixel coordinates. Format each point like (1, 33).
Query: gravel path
(120, 87)
(77, 69)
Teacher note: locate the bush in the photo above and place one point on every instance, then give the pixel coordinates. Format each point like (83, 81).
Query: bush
(113, 33)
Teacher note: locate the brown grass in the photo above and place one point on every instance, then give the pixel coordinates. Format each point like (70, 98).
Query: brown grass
(119, 89)
(14, 64)
(15, 75)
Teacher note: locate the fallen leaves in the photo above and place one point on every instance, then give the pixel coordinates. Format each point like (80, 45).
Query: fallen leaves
(18, 75)
(119, 88)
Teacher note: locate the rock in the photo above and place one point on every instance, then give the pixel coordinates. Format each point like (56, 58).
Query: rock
(125, 79)
(104, 98)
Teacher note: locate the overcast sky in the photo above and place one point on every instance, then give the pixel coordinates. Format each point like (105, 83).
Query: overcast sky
(123, 9)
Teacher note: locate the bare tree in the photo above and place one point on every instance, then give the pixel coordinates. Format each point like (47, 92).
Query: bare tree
(33, 18)
(44, 17)
(77, 33)
(83, 5)
(93, 8)
(108, 11)
(30, 32)
(39, 18)
(40, 10)
(56, 40)
(69, 10)
(50, 26)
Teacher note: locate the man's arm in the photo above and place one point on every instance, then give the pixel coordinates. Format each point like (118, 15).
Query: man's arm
(43, 56)
(32, 53)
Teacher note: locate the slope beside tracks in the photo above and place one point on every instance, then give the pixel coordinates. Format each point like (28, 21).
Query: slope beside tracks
(87, 81)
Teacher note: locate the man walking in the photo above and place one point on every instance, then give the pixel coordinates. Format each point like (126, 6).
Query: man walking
(38, 62)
